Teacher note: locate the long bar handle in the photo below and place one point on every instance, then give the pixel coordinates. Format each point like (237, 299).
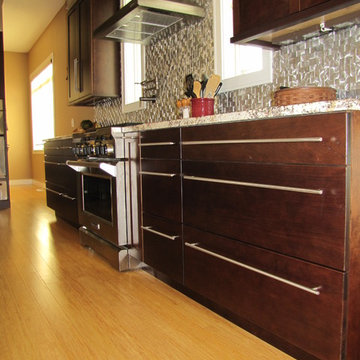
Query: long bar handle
(76, 74)
(257, 185)
(314, 290)
(171, 237)
(157, 144)
(253, 141)
(156, 174)
(61, 194)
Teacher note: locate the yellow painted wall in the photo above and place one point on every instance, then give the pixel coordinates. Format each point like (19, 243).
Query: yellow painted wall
(54, 40)
(18, 115)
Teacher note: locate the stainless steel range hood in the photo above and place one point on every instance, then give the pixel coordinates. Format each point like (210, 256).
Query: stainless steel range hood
(140, 20)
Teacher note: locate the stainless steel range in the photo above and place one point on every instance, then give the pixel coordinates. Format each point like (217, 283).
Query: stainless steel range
(108, 188)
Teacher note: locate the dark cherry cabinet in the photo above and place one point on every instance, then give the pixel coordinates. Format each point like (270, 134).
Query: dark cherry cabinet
(273, 23)
(251, 13)
(61, 181)
(93, 65)
(270, 228)
(261, 221)
(299, 302)
(161, 201)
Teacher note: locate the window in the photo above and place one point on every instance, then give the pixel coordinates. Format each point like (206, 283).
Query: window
(133, 65)
(239, 66)
(42, 105)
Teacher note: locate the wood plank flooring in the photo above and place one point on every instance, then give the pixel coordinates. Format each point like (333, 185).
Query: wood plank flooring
(59, 300)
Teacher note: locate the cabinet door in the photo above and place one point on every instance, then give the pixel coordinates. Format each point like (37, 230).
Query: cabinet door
(251, 14)
(73, 53)
(298, 302)
(85, 83)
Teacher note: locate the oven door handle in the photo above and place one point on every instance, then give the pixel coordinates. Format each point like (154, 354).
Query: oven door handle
(81, 166)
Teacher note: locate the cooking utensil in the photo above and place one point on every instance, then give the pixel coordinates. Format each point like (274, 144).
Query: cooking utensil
(197, 88)
(204, 80)
(218, 89)
(189, 84)
(212, 86)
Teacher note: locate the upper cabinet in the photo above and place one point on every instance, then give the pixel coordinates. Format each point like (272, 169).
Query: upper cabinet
(93, 65)
(272, 23)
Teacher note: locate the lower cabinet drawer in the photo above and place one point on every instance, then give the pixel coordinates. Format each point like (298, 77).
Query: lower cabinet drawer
(62, 175)
(162, 244)
(296, 301)
(161, 188)
(64, 205)
(295, 210)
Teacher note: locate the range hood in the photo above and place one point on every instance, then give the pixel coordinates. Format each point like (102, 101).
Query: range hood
(139, 20)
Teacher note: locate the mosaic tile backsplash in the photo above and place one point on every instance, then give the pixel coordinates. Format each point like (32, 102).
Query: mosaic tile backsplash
(330, 60)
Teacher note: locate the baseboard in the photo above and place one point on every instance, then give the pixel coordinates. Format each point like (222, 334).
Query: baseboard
(26, 182)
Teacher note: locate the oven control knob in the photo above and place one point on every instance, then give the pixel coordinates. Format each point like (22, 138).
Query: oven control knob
(109, 149)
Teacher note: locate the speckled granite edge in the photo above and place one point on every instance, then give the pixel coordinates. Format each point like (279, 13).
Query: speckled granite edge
(270, 112)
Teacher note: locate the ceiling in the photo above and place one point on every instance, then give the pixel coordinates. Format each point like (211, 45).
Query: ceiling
(25, 20)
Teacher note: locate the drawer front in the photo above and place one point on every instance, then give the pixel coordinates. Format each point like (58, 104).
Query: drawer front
(161, 188)
(61, 148)
(163, 246)
(294, 210)
(61, 175)
(65, 206)
(160, 144)
(298, 302)
(318, 139)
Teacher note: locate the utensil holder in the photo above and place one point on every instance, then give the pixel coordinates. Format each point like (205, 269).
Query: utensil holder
(202, 106)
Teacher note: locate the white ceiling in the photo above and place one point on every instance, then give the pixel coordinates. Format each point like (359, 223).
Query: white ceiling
(25, 20)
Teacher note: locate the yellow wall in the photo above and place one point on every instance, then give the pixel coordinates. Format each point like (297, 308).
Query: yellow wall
(17, 114)
(54, 40)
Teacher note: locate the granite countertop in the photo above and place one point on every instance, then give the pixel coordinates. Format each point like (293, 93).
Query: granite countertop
(269, 112)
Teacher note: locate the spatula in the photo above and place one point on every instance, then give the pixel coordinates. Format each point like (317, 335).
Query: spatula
(197, 88)
(211, 86)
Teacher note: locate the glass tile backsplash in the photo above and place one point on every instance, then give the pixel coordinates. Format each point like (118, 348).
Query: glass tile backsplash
(330, 60)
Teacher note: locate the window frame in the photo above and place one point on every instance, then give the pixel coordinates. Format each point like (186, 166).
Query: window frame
(49, 60)
(137, 105)
(263, 76)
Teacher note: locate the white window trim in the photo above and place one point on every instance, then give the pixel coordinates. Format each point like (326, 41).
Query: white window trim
(242, 81)
(33, 74)
(138, 105)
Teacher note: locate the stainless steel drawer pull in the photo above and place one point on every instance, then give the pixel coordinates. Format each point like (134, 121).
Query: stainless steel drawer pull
(61, 194)
(256, 185)
(68, 197)
(148, 228)
(156, 173)
(53, 191)
(315, 290)
(254, 141)
(158, 144)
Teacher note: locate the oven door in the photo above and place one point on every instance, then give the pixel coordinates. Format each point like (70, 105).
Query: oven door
(98, 208)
